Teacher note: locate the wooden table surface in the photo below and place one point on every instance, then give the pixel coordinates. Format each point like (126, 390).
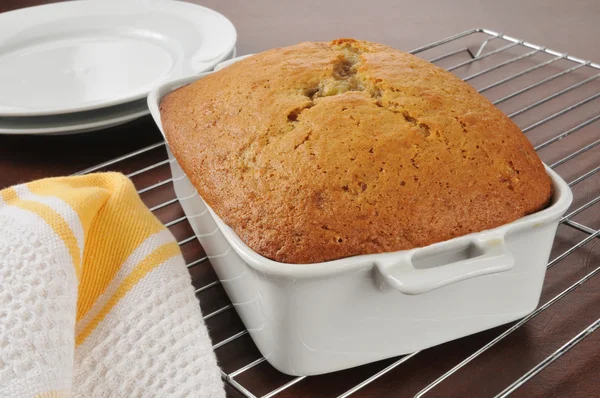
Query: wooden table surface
(566, 26)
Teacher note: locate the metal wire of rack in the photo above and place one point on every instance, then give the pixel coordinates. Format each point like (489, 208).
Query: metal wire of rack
(493, 63)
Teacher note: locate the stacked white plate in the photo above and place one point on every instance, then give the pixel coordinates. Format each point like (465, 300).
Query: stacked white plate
(87, 65)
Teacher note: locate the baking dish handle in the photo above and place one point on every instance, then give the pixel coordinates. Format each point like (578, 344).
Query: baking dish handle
(400, 272)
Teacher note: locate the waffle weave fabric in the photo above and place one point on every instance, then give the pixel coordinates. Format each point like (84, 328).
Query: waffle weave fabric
(95, 297)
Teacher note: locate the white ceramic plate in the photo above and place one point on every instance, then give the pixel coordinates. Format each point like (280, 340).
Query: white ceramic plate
(84, 55)
(79, 122)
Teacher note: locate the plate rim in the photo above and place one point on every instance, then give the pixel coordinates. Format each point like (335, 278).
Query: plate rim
(78, 128)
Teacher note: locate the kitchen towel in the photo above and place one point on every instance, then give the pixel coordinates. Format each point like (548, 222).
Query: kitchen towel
(95, 298)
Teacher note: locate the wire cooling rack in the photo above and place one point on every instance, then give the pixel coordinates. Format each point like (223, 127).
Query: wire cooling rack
(553, 97)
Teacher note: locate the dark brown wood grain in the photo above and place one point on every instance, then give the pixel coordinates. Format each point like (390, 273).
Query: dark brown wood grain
(566, 26)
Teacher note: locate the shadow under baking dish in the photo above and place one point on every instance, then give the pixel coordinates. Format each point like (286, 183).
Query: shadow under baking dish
(309, 319)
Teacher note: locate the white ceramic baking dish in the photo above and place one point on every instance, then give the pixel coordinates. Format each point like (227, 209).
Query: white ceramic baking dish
(309, 319)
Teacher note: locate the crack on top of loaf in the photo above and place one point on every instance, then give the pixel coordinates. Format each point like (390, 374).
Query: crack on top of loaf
(345, 76)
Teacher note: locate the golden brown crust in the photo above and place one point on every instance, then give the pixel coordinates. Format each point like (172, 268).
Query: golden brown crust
(322, 151)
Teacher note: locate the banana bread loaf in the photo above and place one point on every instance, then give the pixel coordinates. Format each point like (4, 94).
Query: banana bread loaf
(321, 151)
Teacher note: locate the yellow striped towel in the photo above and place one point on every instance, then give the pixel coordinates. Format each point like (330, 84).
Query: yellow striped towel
(95, 299)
